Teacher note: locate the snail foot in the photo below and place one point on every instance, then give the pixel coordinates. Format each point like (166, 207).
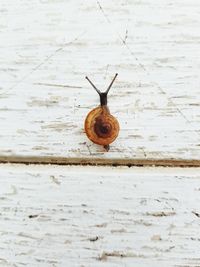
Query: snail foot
(107, 147)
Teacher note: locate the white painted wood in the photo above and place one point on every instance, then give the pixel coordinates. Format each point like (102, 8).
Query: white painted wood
(48, 46)
(53, 216)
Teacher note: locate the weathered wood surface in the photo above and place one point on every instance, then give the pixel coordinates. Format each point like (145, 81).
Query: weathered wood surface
(47, 47)
(52, 216)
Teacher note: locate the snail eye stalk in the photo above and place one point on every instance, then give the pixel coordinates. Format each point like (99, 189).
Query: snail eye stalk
(103, 95)
(111, 83)
(93, 85)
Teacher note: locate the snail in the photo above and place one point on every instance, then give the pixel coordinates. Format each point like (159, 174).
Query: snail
(100, 126)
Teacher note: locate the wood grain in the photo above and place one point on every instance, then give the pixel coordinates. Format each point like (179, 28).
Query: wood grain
(48, 46)
(53, 216)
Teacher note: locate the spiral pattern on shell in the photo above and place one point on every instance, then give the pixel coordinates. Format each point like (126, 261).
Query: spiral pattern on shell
(101, 127)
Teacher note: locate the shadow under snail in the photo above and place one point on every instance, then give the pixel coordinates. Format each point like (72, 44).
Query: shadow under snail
(100, 126)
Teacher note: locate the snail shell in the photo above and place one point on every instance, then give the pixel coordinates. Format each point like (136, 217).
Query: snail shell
(101, 127)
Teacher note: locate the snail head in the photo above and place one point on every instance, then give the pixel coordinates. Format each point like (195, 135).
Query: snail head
(103, 95)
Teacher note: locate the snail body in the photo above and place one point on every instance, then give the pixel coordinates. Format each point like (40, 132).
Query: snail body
(101, 127)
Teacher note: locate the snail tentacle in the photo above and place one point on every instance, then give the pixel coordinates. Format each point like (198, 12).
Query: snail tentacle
(98, 91)
(108, 89)
(103, 95)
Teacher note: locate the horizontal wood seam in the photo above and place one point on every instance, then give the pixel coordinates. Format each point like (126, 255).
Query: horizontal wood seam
(100, 161)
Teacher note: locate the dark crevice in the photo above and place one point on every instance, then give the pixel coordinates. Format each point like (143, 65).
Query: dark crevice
(116, 162)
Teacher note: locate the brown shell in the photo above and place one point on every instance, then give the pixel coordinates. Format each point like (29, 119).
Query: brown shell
(101, 127)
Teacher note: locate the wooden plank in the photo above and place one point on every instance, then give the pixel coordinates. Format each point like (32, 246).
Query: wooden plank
(47, 48)
(53, 216)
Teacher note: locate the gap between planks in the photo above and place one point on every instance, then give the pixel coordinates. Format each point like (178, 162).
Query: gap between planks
(99, 161)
